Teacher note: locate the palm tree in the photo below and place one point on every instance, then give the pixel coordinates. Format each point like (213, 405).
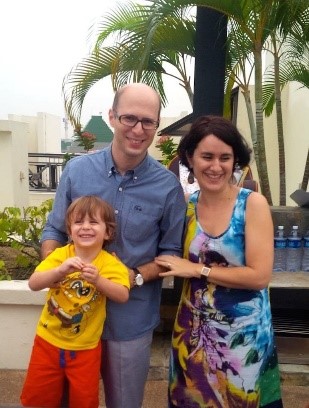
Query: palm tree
(173, 46)
(289, 48)
(239, 70)
(251, 19)
(256, 19)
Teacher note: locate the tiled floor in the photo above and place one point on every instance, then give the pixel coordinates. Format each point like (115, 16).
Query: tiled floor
(295, 381)
(155, 392)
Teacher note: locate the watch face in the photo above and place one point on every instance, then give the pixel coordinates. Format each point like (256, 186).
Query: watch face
(139, 280)
(205, 271)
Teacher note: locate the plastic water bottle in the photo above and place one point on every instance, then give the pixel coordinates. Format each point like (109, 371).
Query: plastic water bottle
(305, 261)
(280, 243)
(294, 251)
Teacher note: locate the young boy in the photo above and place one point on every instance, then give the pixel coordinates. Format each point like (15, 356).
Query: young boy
(80, 276)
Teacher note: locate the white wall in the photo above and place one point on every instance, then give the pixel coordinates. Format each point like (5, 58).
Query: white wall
(19, 136)
(13, 164)
(44, 132)
(32, 126)
(296, 128)
(49, 133)
(20, 309)
(37, 198)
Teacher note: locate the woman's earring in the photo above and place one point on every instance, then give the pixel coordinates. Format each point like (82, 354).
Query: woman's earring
(190, 177)
(236, 174)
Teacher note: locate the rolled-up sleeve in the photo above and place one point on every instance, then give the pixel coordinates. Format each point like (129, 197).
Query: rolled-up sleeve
(172, 224)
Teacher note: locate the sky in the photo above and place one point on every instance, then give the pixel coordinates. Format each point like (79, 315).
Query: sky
(40, 41)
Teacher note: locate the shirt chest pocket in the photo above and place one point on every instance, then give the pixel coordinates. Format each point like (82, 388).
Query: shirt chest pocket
(140, 222)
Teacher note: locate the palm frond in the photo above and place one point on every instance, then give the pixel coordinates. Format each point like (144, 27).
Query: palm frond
(83, 76)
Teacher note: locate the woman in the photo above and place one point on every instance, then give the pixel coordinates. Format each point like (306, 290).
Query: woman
(223, 353)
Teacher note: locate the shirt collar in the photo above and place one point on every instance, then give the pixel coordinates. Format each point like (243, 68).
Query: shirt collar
(110, 165)
(137, 172)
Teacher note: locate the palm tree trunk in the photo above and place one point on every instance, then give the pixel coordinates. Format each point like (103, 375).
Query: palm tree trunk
(187, 87)
(261, 153)
(281, 150)
(305, 181)
(246, 94)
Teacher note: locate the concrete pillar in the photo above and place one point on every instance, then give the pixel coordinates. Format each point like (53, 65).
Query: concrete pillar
(210, 51)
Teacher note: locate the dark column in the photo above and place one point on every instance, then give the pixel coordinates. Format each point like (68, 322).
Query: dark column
(209, 62)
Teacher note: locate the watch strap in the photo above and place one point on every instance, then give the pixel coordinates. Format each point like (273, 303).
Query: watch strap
(136, 271)
(138, 279)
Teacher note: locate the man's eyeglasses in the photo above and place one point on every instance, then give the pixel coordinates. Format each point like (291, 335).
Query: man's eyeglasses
(131, 121)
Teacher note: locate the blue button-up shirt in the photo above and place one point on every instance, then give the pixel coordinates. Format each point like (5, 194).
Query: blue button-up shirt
(150, 212)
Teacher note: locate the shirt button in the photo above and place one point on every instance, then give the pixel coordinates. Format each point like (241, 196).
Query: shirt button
(120, 188)
(116, 211)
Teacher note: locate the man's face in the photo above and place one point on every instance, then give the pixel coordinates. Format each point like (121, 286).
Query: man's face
(131, 143)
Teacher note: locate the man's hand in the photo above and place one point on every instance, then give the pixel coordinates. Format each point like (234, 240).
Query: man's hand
(48, 247)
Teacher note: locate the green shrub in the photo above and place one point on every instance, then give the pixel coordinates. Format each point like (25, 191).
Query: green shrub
(4, 273)
(21, 230)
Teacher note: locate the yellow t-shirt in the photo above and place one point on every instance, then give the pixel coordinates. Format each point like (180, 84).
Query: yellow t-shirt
(74, 314)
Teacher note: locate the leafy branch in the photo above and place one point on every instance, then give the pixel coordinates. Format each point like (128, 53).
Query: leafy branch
(21, 230)
(167, 147)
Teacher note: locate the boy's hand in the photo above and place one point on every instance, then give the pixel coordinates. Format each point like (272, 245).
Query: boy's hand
(71, 265)
(90, 273)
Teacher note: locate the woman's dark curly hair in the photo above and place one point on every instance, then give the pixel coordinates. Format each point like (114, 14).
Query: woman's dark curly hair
(220, 127)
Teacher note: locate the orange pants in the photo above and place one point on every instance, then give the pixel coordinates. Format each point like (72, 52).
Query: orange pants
(48, 368)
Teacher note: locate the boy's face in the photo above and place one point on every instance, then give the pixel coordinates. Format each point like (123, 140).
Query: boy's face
(88, 231)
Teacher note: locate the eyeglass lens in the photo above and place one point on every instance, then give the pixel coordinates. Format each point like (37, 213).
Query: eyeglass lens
(131, 120)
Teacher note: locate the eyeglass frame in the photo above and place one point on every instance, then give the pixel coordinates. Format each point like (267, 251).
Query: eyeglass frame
(156, 123)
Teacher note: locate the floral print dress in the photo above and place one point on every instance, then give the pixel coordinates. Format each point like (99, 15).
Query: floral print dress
(223, 353)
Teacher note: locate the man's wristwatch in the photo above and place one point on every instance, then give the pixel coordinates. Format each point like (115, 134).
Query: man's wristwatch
(138, 280)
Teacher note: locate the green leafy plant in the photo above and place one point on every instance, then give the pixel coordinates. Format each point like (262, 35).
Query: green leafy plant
(66, 157)
(21, 230)
(167, 147)
(4, 273)
(84, 139)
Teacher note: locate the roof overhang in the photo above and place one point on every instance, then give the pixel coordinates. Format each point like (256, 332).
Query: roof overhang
(179, 128)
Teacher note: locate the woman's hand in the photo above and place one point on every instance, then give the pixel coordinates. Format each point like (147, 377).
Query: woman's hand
(178, 267)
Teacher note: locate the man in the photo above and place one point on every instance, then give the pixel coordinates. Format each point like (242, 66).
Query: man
(150, 211)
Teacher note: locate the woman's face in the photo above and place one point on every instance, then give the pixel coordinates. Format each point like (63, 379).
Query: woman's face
(212, 163)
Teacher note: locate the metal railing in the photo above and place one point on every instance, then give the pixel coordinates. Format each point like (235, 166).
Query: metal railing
(44, 171)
